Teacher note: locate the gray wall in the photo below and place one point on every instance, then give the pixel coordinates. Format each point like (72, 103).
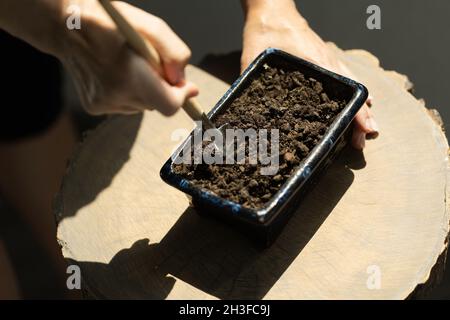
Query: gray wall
(414, 39)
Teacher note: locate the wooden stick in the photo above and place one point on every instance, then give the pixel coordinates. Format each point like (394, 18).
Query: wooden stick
(145, 49)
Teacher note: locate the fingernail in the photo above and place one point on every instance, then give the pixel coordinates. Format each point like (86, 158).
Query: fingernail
(369, 100)
(372, 124)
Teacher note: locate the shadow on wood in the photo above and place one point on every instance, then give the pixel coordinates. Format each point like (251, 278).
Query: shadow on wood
(395, 214)
(217, 259)
(104, 174)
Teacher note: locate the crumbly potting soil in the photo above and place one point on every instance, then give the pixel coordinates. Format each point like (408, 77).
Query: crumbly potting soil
(277, 99)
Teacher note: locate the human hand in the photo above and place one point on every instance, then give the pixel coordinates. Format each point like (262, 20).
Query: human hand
(111, 78)
(278, 24)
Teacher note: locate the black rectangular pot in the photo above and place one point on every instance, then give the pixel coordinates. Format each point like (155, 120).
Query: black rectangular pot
(265, 224)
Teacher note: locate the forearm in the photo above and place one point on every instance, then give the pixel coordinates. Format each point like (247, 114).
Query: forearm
(272, 14)
(275, 7)
(38, 22)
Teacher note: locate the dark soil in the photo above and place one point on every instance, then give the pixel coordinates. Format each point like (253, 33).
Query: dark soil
(278, 99)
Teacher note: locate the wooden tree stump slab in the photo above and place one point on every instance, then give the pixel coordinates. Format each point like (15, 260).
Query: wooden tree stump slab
(375, 227)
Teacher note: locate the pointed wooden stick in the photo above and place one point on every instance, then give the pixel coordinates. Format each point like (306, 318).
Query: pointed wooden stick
(146, 50)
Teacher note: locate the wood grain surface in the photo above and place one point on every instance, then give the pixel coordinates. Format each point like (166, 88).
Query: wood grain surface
(375, 227)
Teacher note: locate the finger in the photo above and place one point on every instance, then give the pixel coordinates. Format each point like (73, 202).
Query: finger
(370, 124)
(175, 97)
(366, 122)
(141, 87)
(179, 95)
(174, 53)
(369, 101)
(365, 127)
(358, 138)
(170, 99)
(162, 96)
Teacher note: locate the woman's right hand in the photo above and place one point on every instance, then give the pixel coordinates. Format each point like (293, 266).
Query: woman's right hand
(109, 76)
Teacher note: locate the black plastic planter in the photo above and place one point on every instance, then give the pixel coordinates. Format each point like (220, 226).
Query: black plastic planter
(267, 222)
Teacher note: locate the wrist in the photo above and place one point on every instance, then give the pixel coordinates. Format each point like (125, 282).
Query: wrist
(54, 28)
(37, 22)
(282, 16)
(272, 13)
(254, 8)
(75, 35)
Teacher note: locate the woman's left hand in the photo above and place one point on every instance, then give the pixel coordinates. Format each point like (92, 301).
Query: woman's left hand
(278, 24)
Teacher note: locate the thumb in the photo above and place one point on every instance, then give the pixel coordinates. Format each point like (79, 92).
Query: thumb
(177, 97)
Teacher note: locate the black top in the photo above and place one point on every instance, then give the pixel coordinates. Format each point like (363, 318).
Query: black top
(30, 89)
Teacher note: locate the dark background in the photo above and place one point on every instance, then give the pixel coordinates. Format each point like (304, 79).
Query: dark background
(413, 40)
